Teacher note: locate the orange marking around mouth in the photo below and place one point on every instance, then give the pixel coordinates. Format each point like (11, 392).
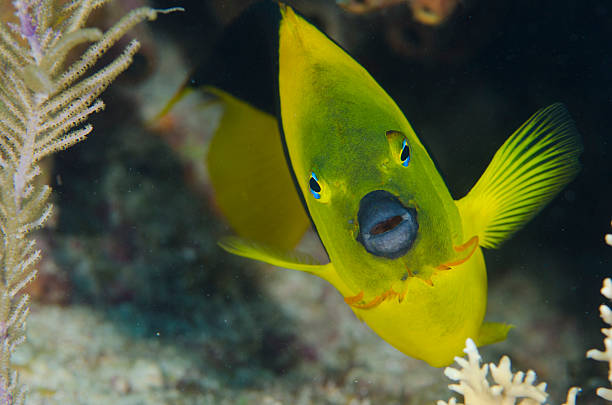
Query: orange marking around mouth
(473, 240)
(472, 244)
(354, 301)
(374, 303)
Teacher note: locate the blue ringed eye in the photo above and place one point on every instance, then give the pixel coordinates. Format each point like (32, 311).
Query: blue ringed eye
(315, 187)
(405, 155)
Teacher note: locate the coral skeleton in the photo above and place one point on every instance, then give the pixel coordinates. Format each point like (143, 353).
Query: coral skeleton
(508, 387)
(44, 102)
(606, 315)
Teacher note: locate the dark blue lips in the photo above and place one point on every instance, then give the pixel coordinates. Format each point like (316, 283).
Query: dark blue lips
(386, 227)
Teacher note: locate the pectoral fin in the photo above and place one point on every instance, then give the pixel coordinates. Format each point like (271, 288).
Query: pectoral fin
(287, 259)
(492, 332)
(526, 173)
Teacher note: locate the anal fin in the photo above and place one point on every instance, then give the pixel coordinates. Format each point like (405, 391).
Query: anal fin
(492, 332)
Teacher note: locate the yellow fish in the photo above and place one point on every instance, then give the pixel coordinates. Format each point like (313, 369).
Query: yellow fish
(403, 253)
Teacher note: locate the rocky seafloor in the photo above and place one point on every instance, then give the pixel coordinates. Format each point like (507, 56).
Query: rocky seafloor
(79, 355)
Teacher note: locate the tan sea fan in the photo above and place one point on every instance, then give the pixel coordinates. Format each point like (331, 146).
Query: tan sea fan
(43, 105)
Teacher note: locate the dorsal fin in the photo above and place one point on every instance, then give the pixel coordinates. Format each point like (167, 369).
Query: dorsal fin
(526, 173)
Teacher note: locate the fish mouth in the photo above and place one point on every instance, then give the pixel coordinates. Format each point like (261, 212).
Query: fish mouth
(387, 228)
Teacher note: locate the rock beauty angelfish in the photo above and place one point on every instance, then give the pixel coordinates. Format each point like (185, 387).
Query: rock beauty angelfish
(307, 135)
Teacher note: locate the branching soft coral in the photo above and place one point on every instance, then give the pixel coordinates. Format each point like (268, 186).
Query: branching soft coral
(44, 103)
(520, 388)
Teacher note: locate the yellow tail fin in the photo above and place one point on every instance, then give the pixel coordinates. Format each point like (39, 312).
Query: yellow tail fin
(251, 178)
(526, 173)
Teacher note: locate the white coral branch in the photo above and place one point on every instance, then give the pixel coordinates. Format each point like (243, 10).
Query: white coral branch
(606, 315)
(507, 387)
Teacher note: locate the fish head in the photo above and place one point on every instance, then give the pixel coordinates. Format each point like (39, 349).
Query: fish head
(375, 197)
(378, 203)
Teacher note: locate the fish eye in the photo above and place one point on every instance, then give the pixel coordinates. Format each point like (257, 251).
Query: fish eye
(399, 147)
(315, 187)
(405, 154)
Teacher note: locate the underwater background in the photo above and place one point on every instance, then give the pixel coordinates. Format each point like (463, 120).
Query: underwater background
(136, 304)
